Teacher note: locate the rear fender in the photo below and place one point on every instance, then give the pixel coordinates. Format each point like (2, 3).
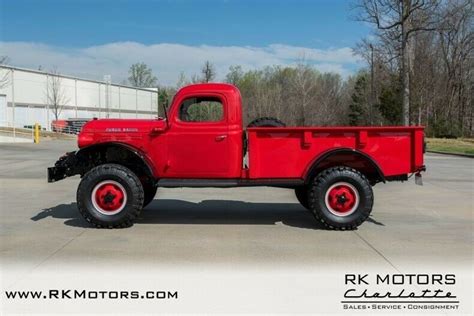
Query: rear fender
(347, 157)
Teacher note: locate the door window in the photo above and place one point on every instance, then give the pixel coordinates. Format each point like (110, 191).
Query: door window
(201, 109)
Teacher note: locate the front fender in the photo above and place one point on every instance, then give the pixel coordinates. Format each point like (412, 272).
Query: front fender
(83, 152)
(81, 161)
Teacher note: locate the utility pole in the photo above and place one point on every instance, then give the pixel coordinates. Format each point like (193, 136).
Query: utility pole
(372, 89)
(405, 68)
(13, 104)
(108, 81)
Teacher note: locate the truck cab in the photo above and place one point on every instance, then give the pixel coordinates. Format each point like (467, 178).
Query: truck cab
(204, 134)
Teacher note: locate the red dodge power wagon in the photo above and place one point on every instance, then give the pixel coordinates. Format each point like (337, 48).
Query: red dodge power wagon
(202, 143)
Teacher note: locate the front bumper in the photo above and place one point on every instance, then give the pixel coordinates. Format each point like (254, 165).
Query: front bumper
(56, 174)
(63, 168)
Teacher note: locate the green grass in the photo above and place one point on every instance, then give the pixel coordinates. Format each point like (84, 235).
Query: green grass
(452, 146)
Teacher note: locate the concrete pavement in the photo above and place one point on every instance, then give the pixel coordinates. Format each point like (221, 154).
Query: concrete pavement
(41, 228)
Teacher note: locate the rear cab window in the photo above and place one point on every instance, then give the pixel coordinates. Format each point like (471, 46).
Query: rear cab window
(201, 109)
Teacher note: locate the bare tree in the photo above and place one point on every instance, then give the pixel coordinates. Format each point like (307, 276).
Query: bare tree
(5, 76)
(397, 21)
(56, 98)
(456, 40)
(304, 85)
(141, 76)
(298, 95)
(196, 79)
(234, 75)
(326, 109)
(208, 72)
(182, 80)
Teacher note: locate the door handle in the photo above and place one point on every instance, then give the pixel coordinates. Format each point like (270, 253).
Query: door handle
(220, 138)
(155, 131)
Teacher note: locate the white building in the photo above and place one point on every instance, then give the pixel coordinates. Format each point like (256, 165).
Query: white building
(24, 96)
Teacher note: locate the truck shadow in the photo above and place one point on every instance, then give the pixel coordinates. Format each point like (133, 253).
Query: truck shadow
(211, 212)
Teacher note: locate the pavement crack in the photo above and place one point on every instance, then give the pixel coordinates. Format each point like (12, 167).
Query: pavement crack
(47, 258)
(58, 250)
(377, 251)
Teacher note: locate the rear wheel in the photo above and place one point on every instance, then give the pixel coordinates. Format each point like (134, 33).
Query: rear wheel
(341, 198)
(110, 196)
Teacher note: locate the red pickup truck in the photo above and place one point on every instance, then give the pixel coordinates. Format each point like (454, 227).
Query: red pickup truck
(202, 143)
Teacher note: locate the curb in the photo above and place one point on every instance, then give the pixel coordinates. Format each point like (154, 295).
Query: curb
(450, 154)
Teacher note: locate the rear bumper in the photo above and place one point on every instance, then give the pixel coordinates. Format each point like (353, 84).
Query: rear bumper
(63, 168)
(421, 169)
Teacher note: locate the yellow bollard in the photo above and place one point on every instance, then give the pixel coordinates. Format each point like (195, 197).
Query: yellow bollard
(37, 133)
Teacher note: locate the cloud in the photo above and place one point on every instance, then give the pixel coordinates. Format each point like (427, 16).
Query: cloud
(168, 60)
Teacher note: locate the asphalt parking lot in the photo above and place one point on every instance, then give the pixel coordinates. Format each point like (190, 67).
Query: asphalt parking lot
(40, 225)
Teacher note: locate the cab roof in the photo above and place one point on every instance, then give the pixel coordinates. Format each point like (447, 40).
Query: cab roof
(214, 87)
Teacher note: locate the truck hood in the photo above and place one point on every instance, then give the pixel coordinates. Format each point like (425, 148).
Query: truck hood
(118, 130)
(122, 125)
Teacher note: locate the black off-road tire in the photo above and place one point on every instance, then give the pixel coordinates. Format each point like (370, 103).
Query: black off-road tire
(134, 194)
(302, 196)
(317, 198)
(266, 122)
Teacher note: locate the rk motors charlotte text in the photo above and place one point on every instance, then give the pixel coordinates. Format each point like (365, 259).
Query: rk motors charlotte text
(432, 295)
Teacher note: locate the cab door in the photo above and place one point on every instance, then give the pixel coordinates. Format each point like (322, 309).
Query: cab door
(198, 145)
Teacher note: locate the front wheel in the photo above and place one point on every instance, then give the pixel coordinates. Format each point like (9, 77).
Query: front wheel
(110, 196)
(341, 198)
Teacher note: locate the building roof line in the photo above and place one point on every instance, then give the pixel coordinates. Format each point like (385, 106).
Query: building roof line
(76, 78)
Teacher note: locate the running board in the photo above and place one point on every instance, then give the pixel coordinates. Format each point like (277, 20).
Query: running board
(228, 183)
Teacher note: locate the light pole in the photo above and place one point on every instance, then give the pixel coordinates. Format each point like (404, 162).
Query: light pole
(108, 81)
(372, 90)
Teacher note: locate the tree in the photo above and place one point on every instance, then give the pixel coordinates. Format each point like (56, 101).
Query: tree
(196, 79)
(328, 106)
(141, 76)
(208, 72)
(304, 84)
(182, 81)
(298, 95)
(359, 101)
(397, 21)
(456, 41)
(56, 97)
(390, 102)
(163, 98)
(441, 67)
(234, 75)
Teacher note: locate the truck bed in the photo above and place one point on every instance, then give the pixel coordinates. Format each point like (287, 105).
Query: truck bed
(288, 152)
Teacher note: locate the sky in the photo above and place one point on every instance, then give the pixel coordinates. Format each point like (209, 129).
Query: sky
(91, 38)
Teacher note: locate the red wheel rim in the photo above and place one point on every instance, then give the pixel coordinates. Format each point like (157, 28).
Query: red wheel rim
(109, 197)
(342, 199)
